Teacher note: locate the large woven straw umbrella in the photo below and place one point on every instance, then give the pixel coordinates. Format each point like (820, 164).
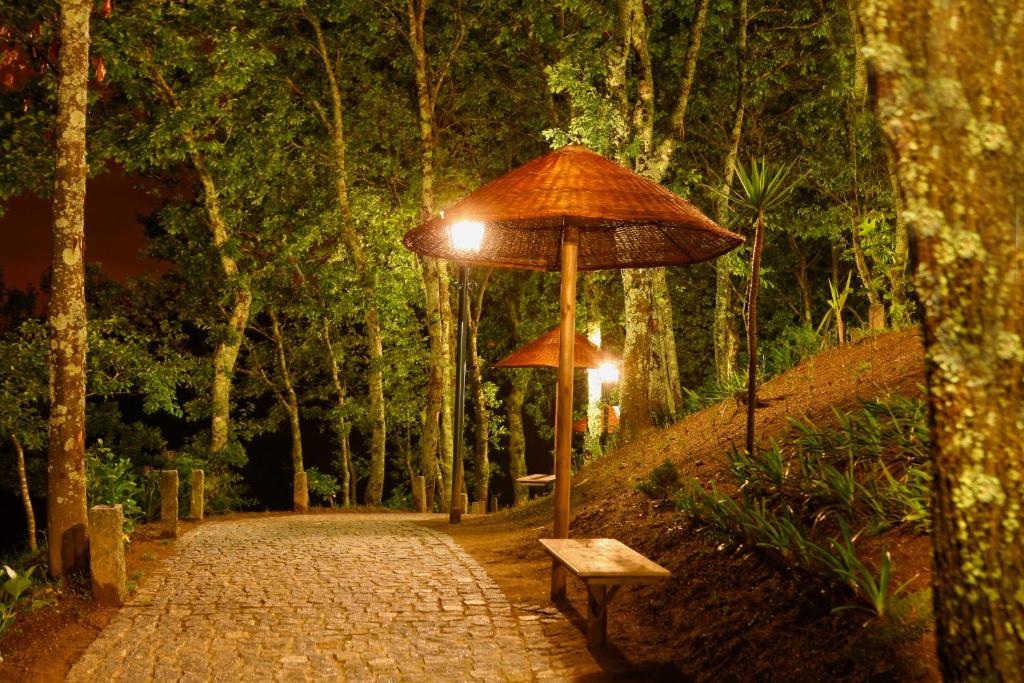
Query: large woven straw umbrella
(568, 210)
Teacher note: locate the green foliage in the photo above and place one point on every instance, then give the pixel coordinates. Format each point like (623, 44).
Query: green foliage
(662, 483)
(322, 485)
(111, 480)
(794, 344)
(870, 467)
(836, 302)
(400, 497)
(14, 586)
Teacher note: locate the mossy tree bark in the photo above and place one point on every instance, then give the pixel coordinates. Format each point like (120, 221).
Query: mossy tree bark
(67, 516)
(950, 89)
(516, 441)
(364, 275)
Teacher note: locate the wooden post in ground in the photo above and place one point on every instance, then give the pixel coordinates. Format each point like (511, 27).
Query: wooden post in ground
(494, 503)
(300, 492)
(419, 493)
(106, 554)
(563, 402)
(198, 501)
(169, 503)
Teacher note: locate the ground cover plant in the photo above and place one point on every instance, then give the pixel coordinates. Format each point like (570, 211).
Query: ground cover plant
(799, 498)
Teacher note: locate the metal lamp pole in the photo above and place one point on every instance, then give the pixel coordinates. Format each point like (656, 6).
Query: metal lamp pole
(455, 510)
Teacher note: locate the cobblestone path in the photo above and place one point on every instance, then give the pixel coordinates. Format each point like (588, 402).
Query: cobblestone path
(341, 597)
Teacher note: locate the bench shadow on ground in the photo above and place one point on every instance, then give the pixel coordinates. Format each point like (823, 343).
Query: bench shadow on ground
(615, 666)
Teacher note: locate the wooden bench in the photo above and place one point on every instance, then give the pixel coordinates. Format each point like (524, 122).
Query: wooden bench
(537, 481)
(604, 565)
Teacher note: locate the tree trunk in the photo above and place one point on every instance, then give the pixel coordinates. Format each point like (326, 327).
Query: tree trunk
(658, 379)
(854, 110)
(899, 312)
(802, 281)
(291, 403)
(440, 398)
(637, 355)
(67, 516)
(365, 278)
(752, 291)
(344, 456)
(516, 442)
(26, 499)
(225, 354)
(726, 338)
(950, 91)
(481, 463)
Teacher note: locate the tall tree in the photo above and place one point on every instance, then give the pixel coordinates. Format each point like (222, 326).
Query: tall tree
(726, 338)
(950, 89)
(440, 387)
(365, 276)
(67, 519)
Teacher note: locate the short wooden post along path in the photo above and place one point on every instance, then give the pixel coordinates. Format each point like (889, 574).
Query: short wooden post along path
(604, 565)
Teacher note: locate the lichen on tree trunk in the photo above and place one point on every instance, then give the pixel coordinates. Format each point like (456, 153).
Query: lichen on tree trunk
(67, 516)
(950, 81)
(516, 441)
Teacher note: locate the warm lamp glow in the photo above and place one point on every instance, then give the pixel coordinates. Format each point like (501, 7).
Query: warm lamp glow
(466, 235)
(609, 373)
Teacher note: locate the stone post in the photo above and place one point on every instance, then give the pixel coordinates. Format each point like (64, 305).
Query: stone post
(106, 554)
(300, 493)
(419, 493)
(478, 507)
(169, 503)
(198, 501)
(494, 503)
(465, 503)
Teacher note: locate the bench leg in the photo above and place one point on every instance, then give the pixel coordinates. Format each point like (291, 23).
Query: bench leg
(557, 581)
(598, 599)
(597, 616)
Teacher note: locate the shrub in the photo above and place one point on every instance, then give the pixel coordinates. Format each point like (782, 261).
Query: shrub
(663, 482)
(110, 480)
(322, 485)
(11, 593)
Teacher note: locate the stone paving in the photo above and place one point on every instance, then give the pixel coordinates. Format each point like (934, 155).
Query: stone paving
(340, 597)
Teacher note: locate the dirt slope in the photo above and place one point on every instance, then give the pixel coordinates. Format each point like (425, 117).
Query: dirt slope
(726, 615)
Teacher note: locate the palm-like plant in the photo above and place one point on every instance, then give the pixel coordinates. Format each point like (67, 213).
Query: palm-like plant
(761, 190)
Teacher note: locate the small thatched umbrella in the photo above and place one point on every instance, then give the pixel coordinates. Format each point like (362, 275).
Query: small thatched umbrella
(568, 210)
(542, 352)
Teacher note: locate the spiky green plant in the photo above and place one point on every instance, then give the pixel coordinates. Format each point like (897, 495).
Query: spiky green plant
(762, 189)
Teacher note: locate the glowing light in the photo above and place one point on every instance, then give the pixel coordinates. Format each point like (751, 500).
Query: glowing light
(466, 235)
(609, 373)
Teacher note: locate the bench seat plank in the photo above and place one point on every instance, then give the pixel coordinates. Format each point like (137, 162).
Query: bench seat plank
(536, 479)
(604, 561)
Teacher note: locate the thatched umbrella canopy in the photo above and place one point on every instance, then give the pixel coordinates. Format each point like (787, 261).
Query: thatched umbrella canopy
(567, 210)
(542, 352)
(623, 220)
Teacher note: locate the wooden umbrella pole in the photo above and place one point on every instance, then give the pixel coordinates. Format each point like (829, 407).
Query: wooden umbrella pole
(563, 401)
